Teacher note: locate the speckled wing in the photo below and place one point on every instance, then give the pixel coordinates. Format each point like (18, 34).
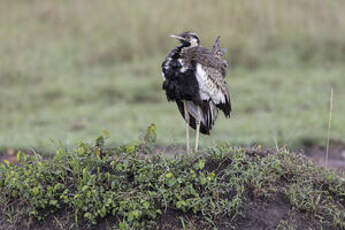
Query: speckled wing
(205, 57)
(210, 73)
(212, 86)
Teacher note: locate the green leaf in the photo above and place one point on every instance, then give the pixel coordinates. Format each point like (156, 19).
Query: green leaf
(88, 215)
(58, 186)
(18, 156)
(146, 204)
(100, 142)
(35, 191)
(171, 182)
(131, 216)
(130, 148)
(123, 225)
(102, 212)
(201, 164)
(53, 202)
(169, 175)
(203, 180)
(85, 187)
(137, 214)
(181, 204)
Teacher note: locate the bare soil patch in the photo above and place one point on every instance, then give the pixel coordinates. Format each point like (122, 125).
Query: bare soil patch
(336, 154)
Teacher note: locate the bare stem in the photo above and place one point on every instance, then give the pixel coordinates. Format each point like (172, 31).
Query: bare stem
(329, 125)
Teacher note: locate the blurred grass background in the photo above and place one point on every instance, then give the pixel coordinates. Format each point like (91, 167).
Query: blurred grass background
(70, 69)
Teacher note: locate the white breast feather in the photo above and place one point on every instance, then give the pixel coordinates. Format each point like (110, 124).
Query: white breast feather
(207, 88)
(163, 76)
(183, 69)
(166, 65)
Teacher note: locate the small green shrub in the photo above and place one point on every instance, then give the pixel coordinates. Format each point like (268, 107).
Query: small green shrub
(92, 183)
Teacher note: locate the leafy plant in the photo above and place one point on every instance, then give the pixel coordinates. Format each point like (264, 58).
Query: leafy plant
(138, 193)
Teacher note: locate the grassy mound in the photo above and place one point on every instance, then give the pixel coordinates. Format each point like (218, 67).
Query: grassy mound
(123, 188)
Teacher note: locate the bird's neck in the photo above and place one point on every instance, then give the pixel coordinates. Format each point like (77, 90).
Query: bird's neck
(186, 47)
(176, 53)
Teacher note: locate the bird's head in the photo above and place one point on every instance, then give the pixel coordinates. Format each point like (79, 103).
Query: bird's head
(188, 39)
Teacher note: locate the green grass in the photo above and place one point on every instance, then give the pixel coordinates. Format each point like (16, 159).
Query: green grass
(289, 104)
(70, 70)
(108, 31)
(224, 186)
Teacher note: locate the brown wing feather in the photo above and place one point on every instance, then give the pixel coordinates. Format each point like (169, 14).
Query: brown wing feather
(205, 58)
(213, 58)
(218, 79)
(215, 66)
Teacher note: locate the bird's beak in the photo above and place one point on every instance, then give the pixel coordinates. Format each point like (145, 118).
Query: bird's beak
(177, 37)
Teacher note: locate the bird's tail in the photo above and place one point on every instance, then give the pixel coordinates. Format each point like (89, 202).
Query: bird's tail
(209, 114)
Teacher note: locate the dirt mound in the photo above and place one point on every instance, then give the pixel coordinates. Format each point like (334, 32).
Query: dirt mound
(225, 187)
(264, 215)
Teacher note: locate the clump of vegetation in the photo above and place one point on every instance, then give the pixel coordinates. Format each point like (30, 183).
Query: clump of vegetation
(220, 187)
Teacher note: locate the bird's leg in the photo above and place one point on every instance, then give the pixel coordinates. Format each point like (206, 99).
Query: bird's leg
(197, 130)
(186, 116)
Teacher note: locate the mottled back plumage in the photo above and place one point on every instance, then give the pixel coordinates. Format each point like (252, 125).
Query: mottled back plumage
(214, 65)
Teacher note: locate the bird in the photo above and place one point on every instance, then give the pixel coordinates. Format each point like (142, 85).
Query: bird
(194, 77)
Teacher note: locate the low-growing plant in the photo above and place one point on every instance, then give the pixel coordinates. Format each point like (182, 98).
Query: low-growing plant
(92, 183)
